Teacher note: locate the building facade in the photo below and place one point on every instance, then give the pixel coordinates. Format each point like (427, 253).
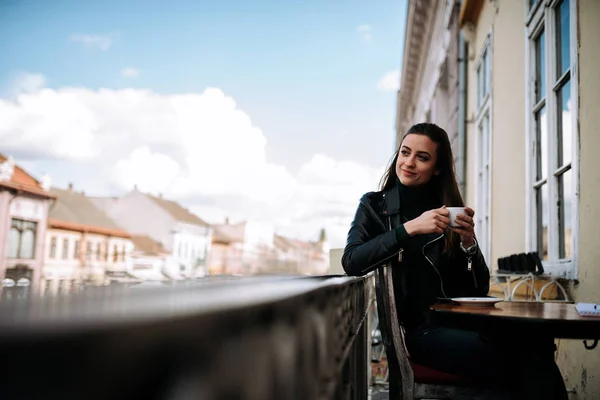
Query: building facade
(83, 245)
(532, 132)
(184, 235)
(527, 136)
(24, 203)
(301, 257)
(433, 74)
(227, 249)
(150, 261)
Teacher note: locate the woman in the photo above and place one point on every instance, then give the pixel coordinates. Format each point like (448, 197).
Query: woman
(407, 224)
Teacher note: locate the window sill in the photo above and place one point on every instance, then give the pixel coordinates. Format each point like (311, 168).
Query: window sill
(560, 269)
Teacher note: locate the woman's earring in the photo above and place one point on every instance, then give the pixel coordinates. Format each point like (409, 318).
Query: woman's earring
(436, 172)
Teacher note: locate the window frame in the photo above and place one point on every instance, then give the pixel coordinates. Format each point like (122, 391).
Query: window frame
(25, 225)
(77, 250)
(484, 108)
(89, 252)
(53, 247)
(98, 251)
(542, 16)
(65, 249)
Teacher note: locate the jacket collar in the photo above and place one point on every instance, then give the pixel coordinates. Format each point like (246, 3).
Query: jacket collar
(391, 201)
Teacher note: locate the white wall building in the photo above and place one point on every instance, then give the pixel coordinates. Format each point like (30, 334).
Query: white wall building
(185, 236)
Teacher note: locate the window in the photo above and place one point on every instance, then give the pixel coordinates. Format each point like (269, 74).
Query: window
(65, 249)
(484, 144)
(53, 247)
(98, 251)
(483, 75)
(482, 215)
(115, 254)
(76, 250)
(551, 125)
(21, 239)
(88, 250)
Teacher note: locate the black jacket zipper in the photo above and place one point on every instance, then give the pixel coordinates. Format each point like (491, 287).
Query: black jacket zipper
(433, 266)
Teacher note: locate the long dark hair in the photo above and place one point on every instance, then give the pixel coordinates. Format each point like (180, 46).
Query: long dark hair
(445, 184)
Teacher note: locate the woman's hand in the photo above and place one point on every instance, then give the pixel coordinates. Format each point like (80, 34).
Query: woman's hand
(432, 221)
(466, 230)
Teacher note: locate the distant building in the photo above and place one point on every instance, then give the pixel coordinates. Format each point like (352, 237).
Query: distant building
(300, 257)
(252, 247)
(226, 256)
(150, 261)
(258, 246)
(185, 236)
(24, 203)
(335, 262)
(83, 245)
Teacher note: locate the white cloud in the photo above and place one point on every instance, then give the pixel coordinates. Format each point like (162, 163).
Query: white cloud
(47, 122)
(103, 42)
(28, 83)
(199, 148)
(390, 82)
(328, 193)
(130, 72)
(150, 172)
(365, 31)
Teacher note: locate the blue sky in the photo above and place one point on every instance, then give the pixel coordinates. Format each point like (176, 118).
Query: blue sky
(306, 73)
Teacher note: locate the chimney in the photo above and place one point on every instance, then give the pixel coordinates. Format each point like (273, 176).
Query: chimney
(226, 220)
(323, 236)
(46, 182)
(135, 188)
(70, 186)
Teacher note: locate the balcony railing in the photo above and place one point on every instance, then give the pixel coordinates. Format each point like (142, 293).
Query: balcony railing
(252, 338)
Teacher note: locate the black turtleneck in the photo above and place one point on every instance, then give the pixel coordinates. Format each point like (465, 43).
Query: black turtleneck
(422, 282)
(414, 201)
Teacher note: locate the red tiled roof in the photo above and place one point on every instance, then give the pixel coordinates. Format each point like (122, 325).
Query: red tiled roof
(21, 180)
(74, 211)
(177, 211)
(228, 233)
(148, 245)
(284, 243)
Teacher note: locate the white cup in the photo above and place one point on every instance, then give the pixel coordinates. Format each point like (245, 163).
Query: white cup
(454, 211)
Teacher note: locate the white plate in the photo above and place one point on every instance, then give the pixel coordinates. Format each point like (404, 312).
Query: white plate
(476, 301)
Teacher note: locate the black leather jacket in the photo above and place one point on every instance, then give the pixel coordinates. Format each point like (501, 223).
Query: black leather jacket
(372, 243)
